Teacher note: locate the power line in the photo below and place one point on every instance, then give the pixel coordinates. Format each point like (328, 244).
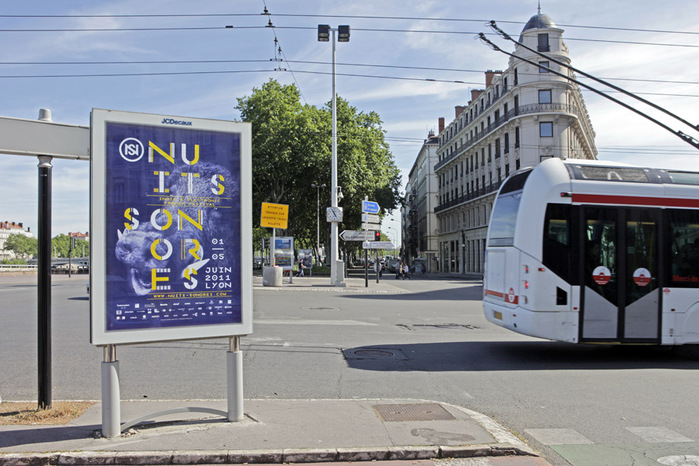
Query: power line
(367, 17)
(308, 62)
(421, 31)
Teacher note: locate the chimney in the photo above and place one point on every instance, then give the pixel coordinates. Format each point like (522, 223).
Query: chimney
(441, 125)
(458, 110)
(475, 94)
(489, 75)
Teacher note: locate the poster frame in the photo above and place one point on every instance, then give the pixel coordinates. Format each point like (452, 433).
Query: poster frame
(99, 335)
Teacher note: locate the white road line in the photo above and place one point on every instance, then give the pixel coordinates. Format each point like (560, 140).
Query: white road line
(658, 435)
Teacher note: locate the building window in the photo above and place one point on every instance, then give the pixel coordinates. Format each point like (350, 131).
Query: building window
(497, 148)
(543, 45)
(543, 67)
(546, 129)
(517, 137)
(516, 77)
(506, 149)
(545, 96)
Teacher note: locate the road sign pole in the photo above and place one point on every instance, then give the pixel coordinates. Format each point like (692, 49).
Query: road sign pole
(366, 268)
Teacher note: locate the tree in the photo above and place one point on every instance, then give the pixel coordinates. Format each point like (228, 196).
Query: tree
(22, 246)
(291, 149)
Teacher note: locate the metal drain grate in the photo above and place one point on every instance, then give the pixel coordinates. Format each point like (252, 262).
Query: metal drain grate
(413, 412)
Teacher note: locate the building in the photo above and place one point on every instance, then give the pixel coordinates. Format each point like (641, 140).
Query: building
(7, 229)
(420, 232)
(523, 115)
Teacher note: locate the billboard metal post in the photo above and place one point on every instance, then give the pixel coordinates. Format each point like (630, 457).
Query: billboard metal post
(111, 397)
(44, 283)
(234, 361)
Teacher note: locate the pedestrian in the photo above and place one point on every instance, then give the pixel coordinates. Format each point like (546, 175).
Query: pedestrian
(406, 272)
(301, 267)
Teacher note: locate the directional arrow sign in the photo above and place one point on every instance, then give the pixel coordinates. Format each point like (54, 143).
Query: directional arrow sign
(371, 218)
(371, 226)
(354, 235)
(370, 207)
(378, 245)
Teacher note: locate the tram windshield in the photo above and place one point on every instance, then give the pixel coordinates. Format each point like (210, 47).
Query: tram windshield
(501, 231)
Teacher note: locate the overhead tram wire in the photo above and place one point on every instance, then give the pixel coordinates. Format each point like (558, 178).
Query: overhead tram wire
(685, 137)
(311, 62)
(421, 31)
(278, 49)
(366, 17)
(506, 36)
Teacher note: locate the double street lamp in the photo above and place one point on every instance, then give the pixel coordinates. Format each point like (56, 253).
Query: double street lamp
(343, 35)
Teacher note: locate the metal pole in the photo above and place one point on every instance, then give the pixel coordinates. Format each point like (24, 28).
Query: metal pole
(333, 195)
(366, 268)
(234, 361)
(318, 223)
(111, 397)
(44, 282)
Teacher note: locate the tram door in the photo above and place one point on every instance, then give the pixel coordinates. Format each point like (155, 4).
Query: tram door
(621, 296)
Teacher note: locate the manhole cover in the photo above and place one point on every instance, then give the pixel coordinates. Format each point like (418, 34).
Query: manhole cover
(374, 354)
(413, 412)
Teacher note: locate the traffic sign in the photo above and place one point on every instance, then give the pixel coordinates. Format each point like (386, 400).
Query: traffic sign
(371, 226)
(274, 215)
(371, 218)
(355, 235)
(370, 207)
(378, 245)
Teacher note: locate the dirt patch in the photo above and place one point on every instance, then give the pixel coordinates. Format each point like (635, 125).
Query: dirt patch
(61, 412)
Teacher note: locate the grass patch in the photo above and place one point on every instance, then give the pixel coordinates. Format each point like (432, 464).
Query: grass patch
(61, 412)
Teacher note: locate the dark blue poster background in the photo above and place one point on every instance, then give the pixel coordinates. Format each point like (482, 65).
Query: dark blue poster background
(173, 227)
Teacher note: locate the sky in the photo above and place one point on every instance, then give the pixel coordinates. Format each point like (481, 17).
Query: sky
(411, 62)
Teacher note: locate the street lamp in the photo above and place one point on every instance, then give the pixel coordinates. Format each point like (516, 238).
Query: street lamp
(324, 31)
(318, 188)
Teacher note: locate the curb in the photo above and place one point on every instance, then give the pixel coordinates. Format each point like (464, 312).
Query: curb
(261, 456)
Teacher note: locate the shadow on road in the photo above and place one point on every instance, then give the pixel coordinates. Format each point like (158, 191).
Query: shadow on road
(512, 356)
(458, 293)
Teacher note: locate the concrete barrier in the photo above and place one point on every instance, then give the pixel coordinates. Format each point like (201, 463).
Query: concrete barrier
(271, 276)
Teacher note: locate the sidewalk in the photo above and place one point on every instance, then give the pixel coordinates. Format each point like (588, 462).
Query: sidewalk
(273, 431)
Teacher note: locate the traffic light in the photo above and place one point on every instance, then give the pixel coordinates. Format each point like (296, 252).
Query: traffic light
(377, 236)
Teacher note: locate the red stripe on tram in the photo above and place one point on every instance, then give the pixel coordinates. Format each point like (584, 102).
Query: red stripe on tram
(635, 200)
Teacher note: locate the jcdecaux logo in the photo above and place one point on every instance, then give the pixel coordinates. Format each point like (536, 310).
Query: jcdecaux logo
(172, 121)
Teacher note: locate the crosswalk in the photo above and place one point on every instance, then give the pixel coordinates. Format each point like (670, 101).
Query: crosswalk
(654, 445)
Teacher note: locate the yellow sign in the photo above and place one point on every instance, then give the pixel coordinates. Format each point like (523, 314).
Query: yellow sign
(274, 215)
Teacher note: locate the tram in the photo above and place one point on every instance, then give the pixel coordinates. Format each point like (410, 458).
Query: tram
(595, 252)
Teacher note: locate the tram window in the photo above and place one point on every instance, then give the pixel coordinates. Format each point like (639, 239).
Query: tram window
(613, 174)
(556, 246)
(501, 231)
(515, 183)
(684, 250)
(684, 177)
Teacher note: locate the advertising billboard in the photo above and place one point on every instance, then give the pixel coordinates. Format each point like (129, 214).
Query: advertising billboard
(171, 227)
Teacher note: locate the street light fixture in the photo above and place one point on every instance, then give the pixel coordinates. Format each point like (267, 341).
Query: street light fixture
(324, 31)
(318, 188)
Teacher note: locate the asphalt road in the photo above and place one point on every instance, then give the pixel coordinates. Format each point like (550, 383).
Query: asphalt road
(417, 339)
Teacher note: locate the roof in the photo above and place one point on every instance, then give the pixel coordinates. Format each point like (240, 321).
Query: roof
(538, 21)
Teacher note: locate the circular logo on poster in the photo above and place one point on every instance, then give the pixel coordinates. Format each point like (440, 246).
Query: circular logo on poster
(601, 275)
(131, 150)
(641, 276)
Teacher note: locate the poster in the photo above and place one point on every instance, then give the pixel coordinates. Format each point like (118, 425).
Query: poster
(175, 219)
(284, 252)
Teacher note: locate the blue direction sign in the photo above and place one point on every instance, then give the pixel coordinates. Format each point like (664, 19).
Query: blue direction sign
(370, 207)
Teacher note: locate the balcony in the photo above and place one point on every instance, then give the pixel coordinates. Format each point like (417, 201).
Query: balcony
(468, 197)
(518, 111)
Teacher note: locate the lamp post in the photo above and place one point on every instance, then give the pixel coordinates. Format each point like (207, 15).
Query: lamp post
(324, 31)
(318, 188)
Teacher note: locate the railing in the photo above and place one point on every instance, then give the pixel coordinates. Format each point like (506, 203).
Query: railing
(468, 196)
(521, 110)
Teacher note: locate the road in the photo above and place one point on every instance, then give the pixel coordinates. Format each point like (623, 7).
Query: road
(416, 339)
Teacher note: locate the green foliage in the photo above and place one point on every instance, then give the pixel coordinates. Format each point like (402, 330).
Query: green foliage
(291, 149)
(21, 245)
(14, 261)
(60, 246)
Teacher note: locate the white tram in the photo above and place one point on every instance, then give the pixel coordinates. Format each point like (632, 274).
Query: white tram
(595, 252)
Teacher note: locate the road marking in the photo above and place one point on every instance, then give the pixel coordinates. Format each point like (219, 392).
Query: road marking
(311, 322)
(559, 436)
(658, 435)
